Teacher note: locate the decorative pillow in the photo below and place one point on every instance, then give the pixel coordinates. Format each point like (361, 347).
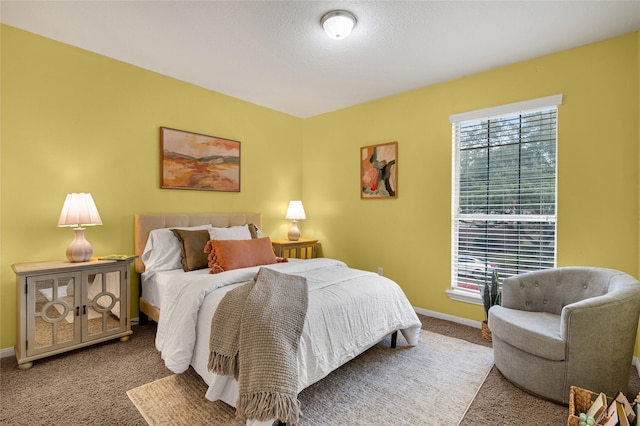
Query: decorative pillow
(230, 233)
(192, 253)
(225, 255)
(162, 251)
(255, 231)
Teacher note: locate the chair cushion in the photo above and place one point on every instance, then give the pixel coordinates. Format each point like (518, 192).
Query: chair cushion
(537, 333)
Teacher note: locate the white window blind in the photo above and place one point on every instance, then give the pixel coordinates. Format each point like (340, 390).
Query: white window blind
(504, 191)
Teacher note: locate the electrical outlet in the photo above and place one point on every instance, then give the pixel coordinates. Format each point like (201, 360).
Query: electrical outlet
(380, 271)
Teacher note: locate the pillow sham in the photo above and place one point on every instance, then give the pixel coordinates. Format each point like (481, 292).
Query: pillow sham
(192, 255)
(225, 255)
(230, 233)
(162, 251)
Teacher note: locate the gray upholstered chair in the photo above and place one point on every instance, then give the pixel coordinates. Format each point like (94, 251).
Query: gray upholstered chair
(563, 327)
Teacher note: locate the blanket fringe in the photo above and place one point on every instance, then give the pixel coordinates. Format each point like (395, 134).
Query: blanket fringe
(269, 405)
(223, 364)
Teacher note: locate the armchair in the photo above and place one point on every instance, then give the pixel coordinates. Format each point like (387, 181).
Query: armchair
(566, 326)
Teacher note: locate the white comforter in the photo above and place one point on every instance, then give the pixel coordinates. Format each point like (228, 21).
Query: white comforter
(349, 311)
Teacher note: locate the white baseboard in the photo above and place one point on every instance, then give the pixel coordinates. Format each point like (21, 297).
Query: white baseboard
(135, 321)
(477, 324)
(6, 352)
(439, 315)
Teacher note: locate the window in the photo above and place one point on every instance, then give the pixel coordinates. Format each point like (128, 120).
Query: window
(504, 193)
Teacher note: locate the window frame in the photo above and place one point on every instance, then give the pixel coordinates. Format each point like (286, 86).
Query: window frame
(456, 292)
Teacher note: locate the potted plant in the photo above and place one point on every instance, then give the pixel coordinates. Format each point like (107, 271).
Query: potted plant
(491, 293)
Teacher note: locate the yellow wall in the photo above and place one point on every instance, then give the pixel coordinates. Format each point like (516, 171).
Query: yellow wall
(638, 77)
(75, 121)
(410, 236)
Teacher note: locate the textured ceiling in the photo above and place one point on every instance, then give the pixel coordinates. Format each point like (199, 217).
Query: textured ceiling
(274, 53)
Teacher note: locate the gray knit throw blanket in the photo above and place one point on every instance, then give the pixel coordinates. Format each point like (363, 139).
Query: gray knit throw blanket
(255, 334)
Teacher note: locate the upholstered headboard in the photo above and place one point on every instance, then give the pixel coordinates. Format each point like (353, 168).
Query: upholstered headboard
(144, 223)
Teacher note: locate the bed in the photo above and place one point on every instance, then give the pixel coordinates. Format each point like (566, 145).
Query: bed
(347, 311)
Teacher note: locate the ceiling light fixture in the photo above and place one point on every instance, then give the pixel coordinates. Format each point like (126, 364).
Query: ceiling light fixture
(338, 24)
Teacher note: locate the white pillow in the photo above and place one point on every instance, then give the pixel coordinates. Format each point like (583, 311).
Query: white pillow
(162, 252)
(230, 233)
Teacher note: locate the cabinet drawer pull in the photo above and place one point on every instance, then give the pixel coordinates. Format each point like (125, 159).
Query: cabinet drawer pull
(77, 311)
(84, 309)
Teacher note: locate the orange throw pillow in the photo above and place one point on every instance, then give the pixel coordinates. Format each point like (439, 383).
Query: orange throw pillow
(225, 255)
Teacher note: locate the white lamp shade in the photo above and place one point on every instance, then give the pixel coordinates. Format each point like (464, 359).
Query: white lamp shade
(295, 211)
(338, 24)
(79, 210)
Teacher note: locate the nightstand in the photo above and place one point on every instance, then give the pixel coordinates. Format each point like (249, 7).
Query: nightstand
(63, 306)
(304, 248)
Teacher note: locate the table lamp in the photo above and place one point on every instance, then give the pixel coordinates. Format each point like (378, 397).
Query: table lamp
(79, 210)
(295, 212)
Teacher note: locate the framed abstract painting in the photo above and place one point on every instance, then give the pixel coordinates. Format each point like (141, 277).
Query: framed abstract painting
(195, 161)
(379, 171)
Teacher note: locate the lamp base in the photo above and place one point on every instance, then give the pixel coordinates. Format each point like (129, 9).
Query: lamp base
(79, 250)
(294, 232)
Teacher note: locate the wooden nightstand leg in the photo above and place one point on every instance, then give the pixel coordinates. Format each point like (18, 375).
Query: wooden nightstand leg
(25, 366)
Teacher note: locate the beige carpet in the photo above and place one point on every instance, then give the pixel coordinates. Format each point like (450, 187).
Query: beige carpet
(431, 384)
(95, 381)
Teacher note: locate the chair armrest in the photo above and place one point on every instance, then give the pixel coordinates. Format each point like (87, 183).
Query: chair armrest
(600, 334)
(588, 318)
(606, 316)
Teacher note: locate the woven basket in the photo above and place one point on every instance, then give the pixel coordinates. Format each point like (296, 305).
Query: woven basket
(486, 333)
(580, 401)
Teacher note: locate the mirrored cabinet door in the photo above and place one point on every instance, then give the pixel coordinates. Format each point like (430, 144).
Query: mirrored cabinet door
(53, 313)
(104, 307)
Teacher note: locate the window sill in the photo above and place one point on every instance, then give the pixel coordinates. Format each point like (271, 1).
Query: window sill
(464, 296)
